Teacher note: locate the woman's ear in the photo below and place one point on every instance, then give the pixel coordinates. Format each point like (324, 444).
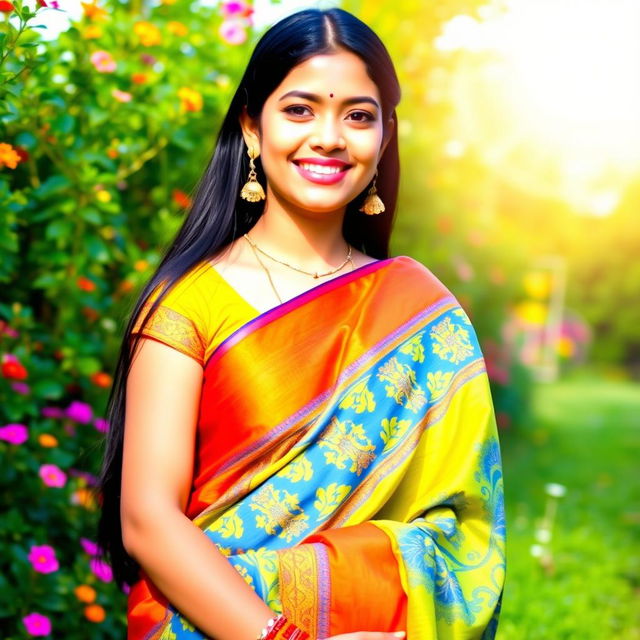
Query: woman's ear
(388, 134)
(250, 129)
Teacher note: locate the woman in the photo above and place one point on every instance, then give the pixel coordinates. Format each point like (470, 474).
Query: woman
(316, 409)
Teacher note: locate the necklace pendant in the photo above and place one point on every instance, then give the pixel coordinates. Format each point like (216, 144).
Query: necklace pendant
(315, 275)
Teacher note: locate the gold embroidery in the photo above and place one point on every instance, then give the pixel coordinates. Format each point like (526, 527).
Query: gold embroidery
(329, 499)
(298, 570)
(451, 341)
(360, 397)
(278, 509)
(173, 329)
(438, 382)
(347, 442)
(392, 432)
(414, 347)
(403, 384)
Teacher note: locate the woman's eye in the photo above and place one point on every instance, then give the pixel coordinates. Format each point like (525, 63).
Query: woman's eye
(364, 116)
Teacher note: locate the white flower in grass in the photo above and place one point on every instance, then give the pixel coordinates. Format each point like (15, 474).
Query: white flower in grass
(543, 536)
(537, 550)
(555, 490)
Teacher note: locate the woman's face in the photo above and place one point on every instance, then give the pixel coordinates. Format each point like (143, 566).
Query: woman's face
(327, 109)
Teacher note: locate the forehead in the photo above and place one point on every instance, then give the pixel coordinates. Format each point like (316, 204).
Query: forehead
(342, 74)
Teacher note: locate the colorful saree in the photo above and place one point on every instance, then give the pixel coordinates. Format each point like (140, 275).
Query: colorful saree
(348, 465)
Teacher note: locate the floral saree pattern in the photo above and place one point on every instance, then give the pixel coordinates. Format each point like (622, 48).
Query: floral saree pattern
(348, 464)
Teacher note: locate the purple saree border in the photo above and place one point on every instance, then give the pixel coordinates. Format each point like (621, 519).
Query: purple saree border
(280, 310)
(323, 590)
(346, 373)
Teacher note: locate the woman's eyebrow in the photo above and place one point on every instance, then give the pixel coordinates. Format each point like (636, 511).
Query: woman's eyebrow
(312, 97)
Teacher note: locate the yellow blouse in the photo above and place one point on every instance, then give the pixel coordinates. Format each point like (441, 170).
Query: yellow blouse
(198, 313)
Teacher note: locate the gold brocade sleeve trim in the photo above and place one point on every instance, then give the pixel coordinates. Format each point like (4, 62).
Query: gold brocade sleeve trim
(298, 577)
(174, 329)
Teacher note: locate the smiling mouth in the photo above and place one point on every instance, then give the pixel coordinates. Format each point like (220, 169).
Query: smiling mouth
(321, 174)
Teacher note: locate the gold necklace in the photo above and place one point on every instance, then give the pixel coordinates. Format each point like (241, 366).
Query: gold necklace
(254, 247)
(315, 274)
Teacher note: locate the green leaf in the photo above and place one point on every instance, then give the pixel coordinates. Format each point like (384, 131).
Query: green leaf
(58, 229)
(64, 123)
(49, 389)
(87, 366)
(96, 248)
(52, 185)
(89, 214)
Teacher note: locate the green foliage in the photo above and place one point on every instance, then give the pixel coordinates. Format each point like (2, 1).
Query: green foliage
(584, 436)
(97, 158)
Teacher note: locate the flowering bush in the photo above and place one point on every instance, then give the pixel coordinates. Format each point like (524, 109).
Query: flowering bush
(100, 134)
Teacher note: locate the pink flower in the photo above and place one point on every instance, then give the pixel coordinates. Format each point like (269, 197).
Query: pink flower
(126, 588)
(121, 96)
(79, 412)
(14, 433)
(52, 475)
(235, 8)
(37, 624)
(101, 569)
(233, 31)
(103, 62)
(148, 59)
(43, 559)
(21, 387)
(52, 412)
(101, 424)
(90, 547)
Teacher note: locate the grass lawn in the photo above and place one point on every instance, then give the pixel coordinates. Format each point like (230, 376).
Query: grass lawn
(585, 435)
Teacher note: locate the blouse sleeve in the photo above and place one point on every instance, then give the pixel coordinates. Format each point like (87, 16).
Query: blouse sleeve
(176, 322)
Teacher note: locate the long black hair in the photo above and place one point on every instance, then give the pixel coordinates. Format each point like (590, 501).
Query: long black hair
(218, 215)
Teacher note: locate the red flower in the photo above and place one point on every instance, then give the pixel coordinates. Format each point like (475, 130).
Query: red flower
(14, 370)
(85, 284)
(181, 198)
(5, 6)
(42, 3)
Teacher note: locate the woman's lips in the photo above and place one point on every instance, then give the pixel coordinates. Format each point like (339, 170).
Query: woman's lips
(322, 178)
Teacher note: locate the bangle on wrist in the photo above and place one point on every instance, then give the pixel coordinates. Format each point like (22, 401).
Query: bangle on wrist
(279, 628)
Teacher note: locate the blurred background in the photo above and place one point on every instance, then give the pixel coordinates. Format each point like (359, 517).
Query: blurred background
(519, 132)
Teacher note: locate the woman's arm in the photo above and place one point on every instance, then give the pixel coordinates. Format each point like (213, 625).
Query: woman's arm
(163, 394)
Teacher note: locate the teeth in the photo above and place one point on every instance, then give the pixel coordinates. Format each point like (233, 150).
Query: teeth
(317, 168)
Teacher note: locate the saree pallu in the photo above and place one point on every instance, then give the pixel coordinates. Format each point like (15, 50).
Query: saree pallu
(348, 464)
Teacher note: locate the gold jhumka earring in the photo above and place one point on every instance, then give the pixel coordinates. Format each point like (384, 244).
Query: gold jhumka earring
(252, 190)
(372, 203)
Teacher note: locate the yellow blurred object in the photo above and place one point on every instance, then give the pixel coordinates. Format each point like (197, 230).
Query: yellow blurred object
(140, 265)
(84, 498)
(148, 33)
(531, 312)
(537, 284)
(566, 347)
(103, 196)
(177, 28)
(92, 32)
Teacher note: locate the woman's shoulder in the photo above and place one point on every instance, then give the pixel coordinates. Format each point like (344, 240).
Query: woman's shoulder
(416, 275)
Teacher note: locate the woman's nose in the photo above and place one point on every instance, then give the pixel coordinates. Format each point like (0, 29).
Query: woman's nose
(328, 134)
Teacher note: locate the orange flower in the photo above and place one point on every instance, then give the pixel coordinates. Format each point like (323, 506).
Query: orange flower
(112, 153)
(126, 286)
(190, 100)
(84, 498)
(47, 440)
(101, 379)
(85, 593)
(148, 33)
(9, 157)
(92, 32)
(94, 613)
(181, 198)
(85, 284)
(140, 265)
(94, 12)
(138, 78)
(177, 28)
